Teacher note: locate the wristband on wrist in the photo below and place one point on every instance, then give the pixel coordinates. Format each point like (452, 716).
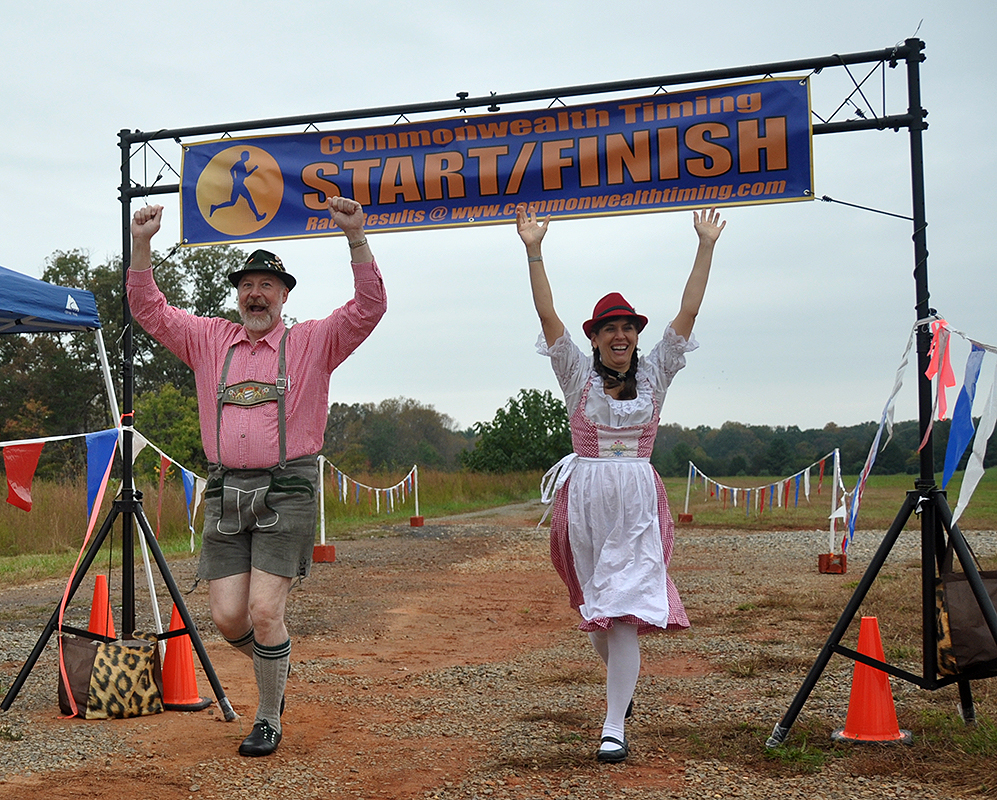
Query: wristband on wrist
(358, 243)
(531, 259)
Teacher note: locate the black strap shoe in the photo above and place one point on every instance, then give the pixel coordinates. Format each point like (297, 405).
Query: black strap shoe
(261, 742)
(612, 750)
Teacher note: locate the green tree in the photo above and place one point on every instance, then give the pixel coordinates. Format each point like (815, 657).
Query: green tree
(394, 434)
(777, 459)
(738, 465)
(531, 432)
(52, 384)
(170, 421)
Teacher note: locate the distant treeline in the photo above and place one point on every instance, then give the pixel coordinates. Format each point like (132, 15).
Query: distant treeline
(51, 385)
(737, 449)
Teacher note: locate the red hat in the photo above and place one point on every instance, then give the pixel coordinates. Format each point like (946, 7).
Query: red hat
(610, 307)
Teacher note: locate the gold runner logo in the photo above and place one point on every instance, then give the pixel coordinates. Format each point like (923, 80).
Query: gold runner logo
(240, 190)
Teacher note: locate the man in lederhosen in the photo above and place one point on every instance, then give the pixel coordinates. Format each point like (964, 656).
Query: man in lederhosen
(263, 395)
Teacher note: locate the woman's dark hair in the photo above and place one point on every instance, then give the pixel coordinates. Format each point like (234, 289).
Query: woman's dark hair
(610, 378)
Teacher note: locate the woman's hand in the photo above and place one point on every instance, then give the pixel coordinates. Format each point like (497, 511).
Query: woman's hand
(708, 225)
(530, 231)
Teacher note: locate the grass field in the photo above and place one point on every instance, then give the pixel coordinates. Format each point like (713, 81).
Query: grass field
(46, 541)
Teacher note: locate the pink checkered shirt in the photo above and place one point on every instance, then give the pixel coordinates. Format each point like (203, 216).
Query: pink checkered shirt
(315, 348)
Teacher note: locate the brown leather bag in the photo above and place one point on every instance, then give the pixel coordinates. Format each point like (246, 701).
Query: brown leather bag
(964, 640)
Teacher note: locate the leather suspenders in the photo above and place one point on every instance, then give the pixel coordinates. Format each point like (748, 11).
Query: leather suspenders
(251, 393)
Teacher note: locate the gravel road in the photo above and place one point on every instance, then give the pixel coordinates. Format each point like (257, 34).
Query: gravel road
(443, 662)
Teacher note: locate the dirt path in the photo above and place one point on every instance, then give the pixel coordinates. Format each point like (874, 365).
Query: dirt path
(433, 662)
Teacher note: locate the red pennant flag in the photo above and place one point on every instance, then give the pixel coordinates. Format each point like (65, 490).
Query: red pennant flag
(940, 365)
(20, 461)
(820, 482)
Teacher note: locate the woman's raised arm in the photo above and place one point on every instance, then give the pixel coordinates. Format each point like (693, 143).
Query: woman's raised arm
(708, 227)
(532, 234)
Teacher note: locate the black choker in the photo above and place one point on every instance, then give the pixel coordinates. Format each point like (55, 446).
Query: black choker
(619, 376)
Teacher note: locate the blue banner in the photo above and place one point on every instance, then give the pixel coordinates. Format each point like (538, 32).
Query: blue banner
(735, 144)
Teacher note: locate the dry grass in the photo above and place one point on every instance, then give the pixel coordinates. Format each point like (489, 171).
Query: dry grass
(45, 542)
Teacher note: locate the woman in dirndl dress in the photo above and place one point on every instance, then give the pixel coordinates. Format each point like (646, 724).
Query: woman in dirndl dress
(611, 530)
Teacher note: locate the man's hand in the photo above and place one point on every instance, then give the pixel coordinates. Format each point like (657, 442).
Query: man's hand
(146, 222)
(348, 215)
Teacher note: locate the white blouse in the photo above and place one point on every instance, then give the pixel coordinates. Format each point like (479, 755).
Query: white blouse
(655, 372)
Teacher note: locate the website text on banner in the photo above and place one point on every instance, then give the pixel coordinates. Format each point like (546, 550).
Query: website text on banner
(735, 144)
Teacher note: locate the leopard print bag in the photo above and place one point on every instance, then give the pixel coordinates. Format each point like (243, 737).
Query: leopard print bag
(111, 680)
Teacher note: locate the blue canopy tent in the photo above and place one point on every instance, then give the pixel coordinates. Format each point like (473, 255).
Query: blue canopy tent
(30, 305)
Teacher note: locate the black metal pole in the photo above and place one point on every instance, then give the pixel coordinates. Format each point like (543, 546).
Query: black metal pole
(916, 115)
(127, 401)
(492, 101)
(930, 528)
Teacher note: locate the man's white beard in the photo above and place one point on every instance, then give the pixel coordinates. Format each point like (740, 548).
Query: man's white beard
(259, 323)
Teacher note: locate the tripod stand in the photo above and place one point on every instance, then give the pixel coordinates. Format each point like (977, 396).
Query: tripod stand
(128, 507)
(130, 510)
(936, 521)
(926, 499)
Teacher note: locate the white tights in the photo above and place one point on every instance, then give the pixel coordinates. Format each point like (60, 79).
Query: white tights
(620, 652)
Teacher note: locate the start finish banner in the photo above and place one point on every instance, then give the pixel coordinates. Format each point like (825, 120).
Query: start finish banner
(735, 144)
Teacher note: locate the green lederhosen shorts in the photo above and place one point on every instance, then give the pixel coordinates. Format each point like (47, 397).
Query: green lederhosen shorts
(263, 518)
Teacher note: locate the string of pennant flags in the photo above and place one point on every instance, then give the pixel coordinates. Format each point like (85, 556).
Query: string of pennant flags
(780, 493)
(845, 505)
(353, 491)
(21, 456)
(21, 461)
(962, 428)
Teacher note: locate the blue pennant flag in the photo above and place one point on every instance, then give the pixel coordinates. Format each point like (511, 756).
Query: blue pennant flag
(962, 429)
(100, 451)
(188, 485)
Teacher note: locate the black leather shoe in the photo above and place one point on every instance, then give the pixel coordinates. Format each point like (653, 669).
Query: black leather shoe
(261, 742)
(612, 750)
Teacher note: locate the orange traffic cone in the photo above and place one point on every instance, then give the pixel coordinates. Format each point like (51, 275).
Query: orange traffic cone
(179, 681)
(101, 619)
(872, 716)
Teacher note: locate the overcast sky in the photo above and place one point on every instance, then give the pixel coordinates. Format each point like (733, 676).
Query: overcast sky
(809, 305)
